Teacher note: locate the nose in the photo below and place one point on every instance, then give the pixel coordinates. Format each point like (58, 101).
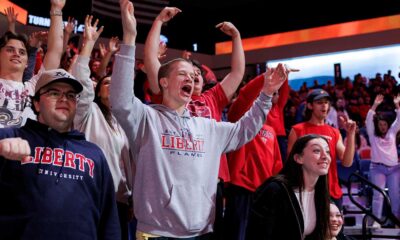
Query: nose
(190, 78)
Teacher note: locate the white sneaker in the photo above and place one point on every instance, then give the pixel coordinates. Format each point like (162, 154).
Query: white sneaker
(376, 225)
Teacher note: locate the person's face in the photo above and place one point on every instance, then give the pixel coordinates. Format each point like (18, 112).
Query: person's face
(104, 92)
(315, 159)
(335, 220)
(179, 84)
(56, 106)
(198, 81)
(383, 126)
(95, 66)
(320, 108)
(13, 56)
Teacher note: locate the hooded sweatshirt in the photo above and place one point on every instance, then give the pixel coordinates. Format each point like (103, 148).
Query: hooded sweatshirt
(64, 191)
(177, 156)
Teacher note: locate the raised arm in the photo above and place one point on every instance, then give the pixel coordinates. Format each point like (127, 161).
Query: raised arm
(151, 47)
(395, 127)
(251, 122)
(35, 40)
(124, 105)
(68, 29)
(346, 153)
(81, 70)
(106, 54)
(369, 120)
(11, 18)
(232, 81)
(55, 40)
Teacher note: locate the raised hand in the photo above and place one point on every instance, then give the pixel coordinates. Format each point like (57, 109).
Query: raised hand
(396, 101)
(168, 13)
(186, 54)
(91, 33)
(128, 22)
(11, 18)
(162, 51)
(349, 125)
(15, 149)
(275, 77)
(378, 100)
(112, 47)
(70, 26)
(36, 39)
(113, 44)
(228, 28)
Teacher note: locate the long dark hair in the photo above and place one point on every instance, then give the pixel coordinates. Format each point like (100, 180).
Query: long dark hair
(381, 117)
(292, 175)
(97, 99)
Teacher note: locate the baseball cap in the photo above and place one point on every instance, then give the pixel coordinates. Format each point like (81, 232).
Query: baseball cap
(57, 75)
(317, 94)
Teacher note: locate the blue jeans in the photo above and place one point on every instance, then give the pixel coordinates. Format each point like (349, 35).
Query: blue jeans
(384, 176)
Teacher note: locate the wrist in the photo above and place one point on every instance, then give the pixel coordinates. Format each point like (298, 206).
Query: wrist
(55, 12)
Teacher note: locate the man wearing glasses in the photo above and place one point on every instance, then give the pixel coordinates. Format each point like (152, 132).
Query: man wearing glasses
(52, 181)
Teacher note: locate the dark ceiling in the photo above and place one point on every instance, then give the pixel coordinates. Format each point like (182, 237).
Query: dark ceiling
(252, 17)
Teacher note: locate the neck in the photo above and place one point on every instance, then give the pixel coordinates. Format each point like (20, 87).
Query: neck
(316, 121)
(14, 76)
(59, 127)
(310, 180)
(179, 108)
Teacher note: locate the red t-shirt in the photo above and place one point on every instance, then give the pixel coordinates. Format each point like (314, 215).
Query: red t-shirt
(332, 135)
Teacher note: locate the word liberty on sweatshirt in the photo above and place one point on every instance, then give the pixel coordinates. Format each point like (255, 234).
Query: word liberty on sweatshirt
(177, 156)
(64, 191)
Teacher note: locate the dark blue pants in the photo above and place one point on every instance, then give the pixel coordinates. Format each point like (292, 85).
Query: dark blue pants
(237, 208)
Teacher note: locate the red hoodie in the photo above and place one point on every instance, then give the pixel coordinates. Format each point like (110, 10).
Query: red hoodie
(259, 159)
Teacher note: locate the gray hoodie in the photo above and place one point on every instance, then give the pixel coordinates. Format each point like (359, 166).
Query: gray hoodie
(177, 157)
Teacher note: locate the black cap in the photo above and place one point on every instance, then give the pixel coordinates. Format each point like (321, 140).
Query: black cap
(317, 94)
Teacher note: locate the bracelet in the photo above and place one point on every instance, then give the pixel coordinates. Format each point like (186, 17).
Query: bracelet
(56, 13)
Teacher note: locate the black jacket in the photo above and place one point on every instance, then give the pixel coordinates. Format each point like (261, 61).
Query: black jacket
(275, 213)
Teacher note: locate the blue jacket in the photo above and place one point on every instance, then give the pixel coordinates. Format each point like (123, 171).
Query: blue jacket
(65, 190)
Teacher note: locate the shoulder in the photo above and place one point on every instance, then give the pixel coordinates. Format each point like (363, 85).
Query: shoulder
(270, 186)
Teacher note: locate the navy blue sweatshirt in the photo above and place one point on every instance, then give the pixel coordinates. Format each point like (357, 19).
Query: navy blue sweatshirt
(65, 190)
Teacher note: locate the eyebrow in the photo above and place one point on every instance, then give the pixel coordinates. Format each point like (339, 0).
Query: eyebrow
(10, 46)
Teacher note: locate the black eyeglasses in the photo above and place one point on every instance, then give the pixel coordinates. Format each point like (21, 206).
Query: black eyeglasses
(57, 94)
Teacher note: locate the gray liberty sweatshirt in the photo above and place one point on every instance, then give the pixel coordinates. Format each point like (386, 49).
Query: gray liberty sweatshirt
(177, 157)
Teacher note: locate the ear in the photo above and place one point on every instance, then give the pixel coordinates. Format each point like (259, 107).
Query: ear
(36, 105)
(298, 158)
(309, 106)
(164, 82)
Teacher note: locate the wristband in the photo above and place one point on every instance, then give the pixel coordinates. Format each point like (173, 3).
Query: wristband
(55, 13)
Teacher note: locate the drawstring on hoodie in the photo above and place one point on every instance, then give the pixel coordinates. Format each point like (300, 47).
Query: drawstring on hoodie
(47, 143)
(62, 166)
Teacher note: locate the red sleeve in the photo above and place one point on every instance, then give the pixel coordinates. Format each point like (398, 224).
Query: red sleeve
(283, 94)
(278, 165)
(247, 95)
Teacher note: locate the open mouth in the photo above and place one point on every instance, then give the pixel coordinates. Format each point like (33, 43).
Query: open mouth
(187, 89)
